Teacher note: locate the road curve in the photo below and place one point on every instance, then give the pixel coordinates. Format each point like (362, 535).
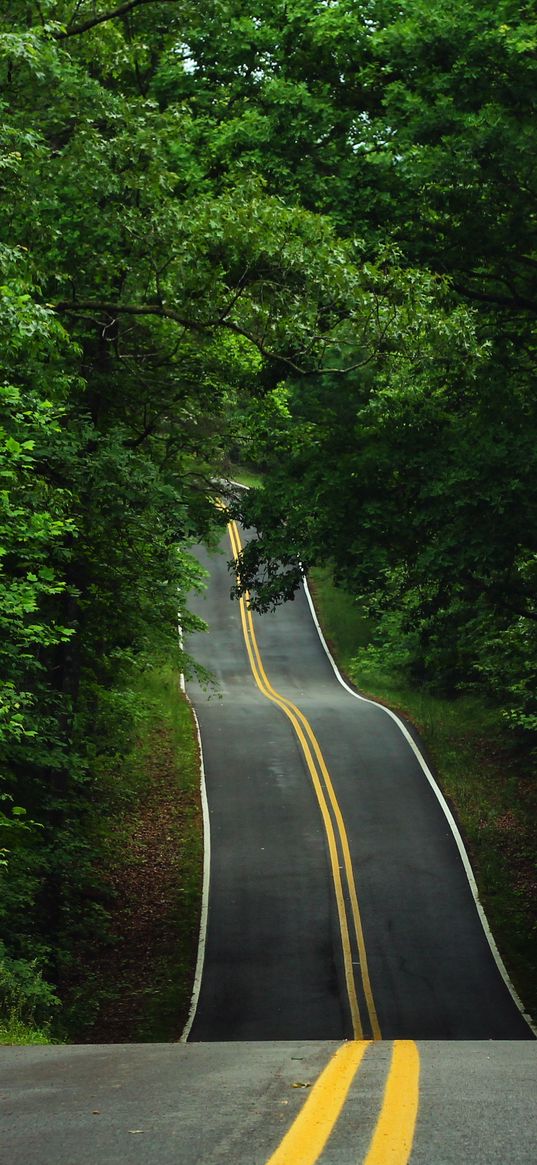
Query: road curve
(277, 964)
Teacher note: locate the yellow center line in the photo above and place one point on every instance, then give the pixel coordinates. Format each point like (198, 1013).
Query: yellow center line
(275, 698)
(358, 928)
(295, 714)
(307, 1137)
(393, 1137)
(392, 1140)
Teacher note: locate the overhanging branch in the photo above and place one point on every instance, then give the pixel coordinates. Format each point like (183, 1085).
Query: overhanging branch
(515, 302)
(201, 326)
(103, 17)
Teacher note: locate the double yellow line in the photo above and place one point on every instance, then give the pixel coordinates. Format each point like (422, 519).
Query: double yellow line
(338, 844)
(392, 1140)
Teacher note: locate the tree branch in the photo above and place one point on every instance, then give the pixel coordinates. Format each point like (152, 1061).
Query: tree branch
(162, 312)
(515, 302)
(103, 17)
(131, 309)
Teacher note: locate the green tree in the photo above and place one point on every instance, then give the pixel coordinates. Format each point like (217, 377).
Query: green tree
(424, 489)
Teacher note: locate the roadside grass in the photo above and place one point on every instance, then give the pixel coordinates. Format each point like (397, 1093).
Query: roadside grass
(245, 475)
(487, 782)
(343, 623)
(135, 984)
(171, 757)
(16, 1031)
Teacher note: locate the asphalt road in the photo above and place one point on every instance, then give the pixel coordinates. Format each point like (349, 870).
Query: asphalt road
(231, 1104)
(274, 964)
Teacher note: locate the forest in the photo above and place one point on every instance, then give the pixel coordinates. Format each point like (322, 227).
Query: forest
(298, 235)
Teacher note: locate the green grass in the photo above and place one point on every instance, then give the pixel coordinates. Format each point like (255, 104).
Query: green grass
(343, 622)
(245, 475)
(485, 780)
(167, 998)
(14, 1030)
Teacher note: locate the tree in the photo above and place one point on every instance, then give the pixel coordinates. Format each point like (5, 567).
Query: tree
(424, 479)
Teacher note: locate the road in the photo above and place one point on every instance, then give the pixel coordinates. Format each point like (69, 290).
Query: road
(234, 1104)
(397, 950)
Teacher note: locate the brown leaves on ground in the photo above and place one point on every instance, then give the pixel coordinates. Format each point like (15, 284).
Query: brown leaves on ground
(154, 922)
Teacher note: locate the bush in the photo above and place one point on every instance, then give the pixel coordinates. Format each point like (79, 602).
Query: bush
(26, 999)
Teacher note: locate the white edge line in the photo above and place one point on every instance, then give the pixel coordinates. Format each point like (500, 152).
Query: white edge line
(206, 882)
(182, 684)
(229, 481)
(445, 807)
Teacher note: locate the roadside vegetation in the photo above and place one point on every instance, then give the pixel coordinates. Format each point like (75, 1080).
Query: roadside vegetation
(125, 971)
(134, 980)
(291, 235)
(246, 475)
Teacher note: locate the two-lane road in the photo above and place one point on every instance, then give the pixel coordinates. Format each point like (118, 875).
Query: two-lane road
(339, 903)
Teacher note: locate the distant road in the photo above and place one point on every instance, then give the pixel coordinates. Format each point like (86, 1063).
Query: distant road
(339, 906)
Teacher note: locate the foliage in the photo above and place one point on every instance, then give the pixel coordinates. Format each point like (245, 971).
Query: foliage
(417, 477)
(26, 1001)
(100, 492)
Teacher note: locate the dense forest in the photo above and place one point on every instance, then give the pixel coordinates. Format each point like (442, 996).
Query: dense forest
(300, 235)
